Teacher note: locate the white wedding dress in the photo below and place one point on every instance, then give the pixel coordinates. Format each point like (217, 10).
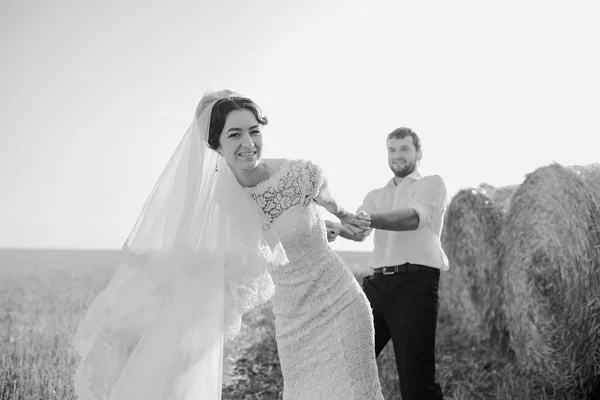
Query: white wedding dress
(196, 259)
(324, 326)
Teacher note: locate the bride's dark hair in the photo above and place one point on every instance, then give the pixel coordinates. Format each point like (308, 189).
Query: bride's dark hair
(219, 115)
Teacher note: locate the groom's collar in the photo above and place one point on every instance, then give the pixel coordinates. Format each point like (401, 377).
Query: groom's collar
(415, 175)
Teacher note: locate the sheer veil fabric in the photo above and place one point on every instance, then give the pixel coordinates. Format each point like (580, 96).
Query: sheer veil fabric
(196, 260)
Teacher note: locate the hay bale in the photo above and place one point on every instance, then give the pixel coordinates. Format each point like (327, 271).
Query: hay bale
(501, 195)
(551, 267)
(471, 291)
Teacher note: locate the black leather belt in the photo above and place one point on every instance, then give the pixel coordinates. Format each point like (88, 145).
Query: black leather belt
(400, 268)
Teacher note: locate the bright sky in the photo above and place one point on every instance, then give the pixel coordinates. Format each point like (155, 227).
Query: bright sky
(95, 96)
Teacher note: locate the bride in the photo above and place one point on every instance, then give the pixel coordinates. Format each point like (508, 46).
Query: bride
(223, 231)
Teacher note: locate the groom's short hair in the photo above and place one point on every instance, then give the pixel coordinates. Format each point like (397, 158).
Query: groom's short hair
(401, 133)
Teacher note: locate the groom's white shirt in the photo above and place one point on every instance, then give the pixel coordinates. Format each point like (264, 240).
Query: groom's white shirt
(428, 197)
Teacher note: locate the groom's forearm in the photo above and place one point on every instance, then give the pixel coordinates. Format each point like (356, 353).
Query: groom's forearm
(405, 219)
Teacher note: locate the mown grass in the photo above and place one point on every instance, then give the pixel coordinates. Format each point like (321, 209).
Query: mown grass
(43, 295)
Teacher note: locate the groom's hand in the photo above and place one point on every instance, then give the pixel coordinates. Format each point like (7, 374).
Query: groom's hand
(347, 222)
(357, 228)
(361, 221)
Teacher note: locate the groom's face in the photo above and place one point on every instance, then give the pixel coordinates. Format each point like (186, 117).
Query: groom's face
(402, 156)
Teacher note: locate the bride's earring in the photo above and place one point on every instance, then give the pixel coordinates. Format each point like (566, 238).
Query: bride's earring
(219, 155)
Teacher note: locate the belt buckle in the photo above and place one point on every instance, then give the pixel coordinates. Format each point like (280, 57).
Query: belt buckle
(385, 271)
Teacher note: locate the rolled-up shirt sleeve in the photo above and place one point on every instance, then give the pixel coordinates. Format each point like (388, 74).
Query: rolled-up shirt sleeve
(429, 198)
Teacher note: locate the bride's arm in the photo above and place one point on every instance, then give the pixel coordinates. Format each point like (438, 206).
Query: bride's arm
(326, 200)
(348, 231)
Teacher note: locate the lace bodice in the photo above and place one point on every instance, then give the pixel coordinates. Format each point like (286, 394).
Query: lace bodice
(296, 183)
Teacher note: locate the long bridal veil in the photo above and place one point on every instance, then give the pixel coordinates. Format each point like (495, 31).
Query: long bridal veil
(196, 259)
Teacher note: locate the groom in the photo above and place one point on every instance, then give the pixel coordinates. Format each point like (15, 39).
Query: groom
(407, 216)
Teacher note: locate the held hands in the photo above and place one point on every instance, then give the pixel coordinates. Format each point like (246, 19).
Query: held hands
(361, 220)
(353, 227)
(356, 227)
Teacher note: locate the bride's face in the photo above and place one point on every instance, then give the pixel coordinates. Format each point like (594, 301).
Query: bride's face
(241, 140)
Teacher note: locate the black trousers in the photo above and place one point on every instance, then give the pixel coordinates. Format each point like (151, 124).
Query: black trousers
(405, 307)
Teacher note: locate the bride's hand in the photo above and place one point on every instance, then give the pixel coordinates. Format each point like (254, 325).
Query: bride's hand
(332, 235)
(350, 222)
(333, 230)
(344, 219)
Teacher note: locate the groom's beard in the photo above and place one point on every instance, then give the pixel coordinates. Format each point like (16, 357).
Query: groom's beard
(407, 169)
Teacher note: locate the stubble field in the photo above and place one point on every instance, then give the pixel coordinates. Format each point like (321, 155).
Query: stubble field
(43, 295)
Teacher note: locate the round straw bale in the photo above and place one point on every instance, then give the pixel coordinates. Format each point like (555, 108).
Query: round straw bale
(471, 290)
(551, 267)
(500, 195)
